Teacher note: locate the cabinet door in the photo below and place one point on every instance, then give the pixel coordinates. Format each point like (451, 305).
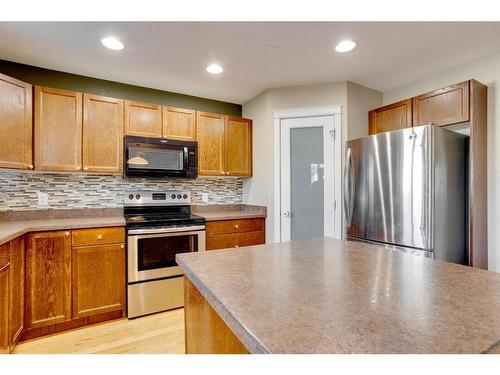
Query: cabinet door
(238, 144)
(142, 119)
(58, 130)
(16, 289)
(442, 107)
(48, 278)
(210, 137)
(102, 134)
(179, 124)
(16, 124)
(4, 297)
(390, 117)
(98, 274)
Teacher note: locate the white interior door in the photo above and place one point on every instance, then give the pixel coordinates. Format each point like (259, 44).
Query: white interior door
(308, 206)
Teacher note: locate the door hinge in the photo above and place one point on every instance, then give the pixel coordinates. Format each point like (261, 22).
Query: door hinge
(334, 204)
(333, 134)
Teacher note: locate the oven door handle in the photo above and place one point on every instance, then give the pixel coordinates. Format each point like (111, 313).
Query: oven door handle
(166, 230)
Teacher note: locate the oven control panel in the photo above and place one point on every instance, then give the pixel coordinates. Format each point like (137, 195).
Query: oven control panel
(157, 198)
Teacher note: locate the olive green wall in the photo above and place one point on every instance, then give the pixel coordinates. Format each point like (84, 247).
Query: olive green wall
(52, 78)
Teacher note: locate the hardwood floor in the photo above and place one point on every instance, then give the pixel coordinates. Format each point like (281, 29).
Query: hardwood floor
(161, 333)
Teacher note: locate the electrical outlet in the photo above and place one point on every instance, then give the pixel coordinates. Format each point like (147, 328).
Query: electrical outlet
(43, 199)
(204, 197)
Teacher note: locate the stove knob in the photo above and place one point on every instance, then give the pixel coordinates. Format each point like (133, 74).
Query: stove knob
(179, 196)
(172, 196)
(185, 196)
(131, 196)
(138, 196)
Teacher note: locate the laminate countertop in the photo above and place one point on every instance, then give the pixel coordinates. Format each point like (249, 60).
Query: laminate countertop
(330, 296)
(229, 211)
(14, 224)
(12, 229)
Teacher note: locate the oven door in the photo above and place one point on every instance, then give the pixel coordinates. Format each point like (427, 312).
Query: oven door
(151, 252)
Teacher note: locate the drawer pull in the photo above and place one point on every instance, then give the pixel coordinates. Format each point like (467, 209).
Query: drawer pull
(99, 236)
(236, 245)
(236, 226)
(66, 234)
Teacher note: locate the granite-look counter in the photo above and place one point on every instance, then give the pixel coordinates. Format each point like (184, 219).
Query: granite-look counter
(14, 224)
(229, 211)
(17, 223)
(331, 296)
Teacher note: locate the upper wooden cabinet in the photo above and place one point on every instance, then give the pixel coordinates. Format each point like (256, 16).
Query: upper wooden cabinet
(48, 278)
(179, 123)
(16, 123)
(58, 130)
(238, 142)
(102, 134)
(449, 105)
(210, 137)
(390, 117)
(143, 119)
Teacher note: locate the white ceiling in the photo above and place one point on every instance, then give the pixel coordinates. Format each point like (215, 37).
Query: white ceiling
(255, 56)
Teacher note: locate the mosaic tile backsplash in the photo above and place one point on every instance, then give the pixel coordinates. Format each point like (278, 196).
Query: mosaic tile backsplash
(18, 190)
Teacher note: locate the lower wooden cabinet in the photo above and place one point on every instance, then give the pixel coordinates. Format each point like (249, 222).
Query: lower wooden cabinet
(48, 278)
(73, 278)
(4, 298)
(98, 274)
(223, 234)
(16, 314)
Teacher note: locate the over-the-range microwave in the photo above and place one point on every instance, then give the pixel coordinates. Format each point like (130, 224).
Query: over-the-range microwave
(159, 157)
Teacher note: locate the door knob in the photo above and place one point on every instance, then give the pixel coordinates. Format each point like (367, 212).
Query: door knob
(286, 213)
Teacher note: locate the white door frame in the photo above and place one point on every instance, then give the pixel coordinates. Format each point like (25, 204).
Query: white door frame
(336, 112)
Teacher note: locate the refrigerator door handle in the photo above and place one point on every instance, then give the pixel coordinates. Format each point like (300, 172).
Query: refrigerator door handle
(349, 187)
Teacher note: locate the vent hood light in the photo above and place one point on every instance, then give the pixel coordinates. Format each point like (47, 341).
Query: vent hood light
(137, 160)
(214, 69)
(112, 43)
(345, 46)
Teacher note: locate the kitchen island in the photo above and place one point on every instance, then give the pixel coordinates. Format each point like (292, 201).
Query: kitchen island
(331, 296)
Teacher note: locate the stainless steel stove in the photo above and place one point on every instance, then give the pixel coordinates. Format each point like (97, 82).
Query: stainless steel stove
(159, 226)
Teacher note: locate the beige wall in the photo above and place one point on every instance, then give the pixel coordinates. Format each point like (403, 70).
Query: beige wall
(260, 188)
(487, 71)
(360, 100)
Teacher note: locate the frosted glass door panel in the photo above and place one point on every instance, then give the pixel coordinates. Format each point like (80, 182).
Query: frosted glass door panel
(307, 182)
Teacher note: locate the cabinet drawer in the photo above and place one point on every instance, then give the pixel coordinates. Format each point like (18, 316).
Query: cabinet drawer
(96, 236)
(224, 241)
(235, 226)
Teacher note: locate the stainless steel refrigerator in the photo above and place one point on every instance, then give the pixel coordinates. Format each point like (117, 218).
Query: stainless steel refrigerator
(407, 189)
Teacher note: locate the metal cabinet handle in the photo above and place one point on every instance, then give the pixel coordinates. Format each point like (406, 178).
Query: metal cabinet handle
(30, 166)
(86, 168)
(236, 245)
(66, 234)
(236, 226)
(99, 236)
(122, 246)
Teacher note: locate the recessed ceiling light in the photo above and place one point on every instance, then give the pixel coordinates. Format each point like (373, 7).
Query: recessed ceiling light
(214, 69)
(345, 46)
(112, 43)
